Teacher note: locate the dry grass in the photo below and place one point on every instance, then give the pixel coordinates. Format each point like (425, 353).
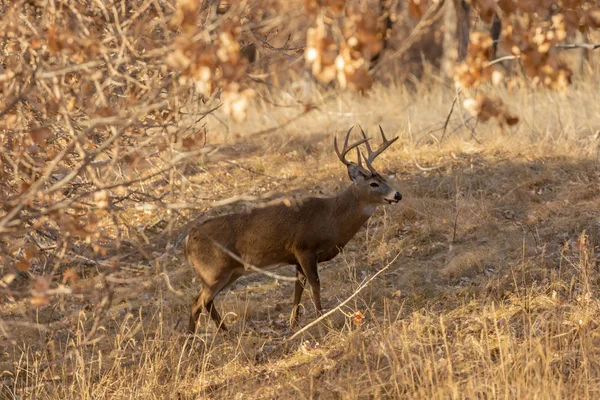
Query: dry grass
(494, 294)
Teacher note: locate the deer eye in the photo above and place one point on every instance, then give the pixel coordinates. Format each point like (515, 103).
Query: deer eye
(374, 184)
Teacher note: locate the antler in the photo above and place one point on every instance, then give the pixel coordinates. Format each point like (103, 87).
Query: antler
(342, 155)
(373, 154)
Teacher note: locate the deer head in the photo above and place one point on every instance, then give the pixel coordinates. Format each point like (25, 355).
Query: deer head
(372, 187)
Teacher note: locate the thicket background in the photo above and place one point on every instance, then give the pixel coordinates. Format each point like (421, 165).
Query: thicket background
(124, 121)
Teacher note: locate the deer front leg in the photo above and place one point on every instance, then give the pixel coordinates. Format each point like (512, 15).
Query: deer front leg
(308, 262)
(299, 288)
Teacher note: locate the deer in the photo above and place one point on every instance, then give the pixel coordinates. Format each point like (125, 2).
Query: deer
(315, 230)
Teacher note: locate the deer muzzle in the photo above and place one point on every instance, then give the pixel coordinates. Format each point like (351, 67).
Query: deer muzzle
(395, 198)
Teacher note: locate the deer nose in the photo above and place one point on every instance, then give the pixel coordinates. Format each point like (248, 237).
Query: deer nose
(397, 196)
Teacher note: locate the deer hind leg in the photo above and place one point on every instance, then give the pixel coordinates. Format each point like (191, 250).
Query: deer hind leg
(298, 289)
(308, 262)
(214, 315)
(204, 300)
(197, 307)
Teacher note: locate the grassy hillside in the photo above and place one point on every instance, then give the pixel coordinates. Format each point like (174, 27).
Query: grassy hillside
(491, 287)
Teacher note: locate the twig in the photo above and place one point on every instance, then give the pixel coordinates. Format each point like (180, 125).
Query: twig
(283, 48)
(12, 103)
(169, 286)
(456, 215)
(462, 117)
(342, 304)
(450, 114)
(497, 60)
(412, 152)
(419, 166)
(235, 163)
(588, 46)
(455, 226)
(21, 95)
(235, 199)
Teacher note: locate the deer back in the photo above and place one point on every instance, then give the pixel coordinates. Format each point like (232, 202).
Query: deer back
(275, 234)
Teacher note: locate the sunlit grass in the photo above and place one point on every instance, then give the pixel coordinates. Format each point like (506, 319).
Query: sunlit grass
(494, 294)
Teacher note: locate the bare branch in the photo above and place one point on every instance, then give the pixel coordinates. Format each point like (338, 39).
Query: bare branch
(362, 286)
(587, 46)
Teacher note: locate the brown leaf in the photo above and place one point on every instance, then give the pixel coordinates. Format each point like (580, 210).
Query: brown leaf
(29, 252)
(35, 44)
(196, 140)
(42, 284)
(39, 301)
(357, 317)
(311, 6)
(186, 15)
(22, 265)
(54, 43)
(70, 276)
(592, 18)
(416, 8)
(486, 9)
(337, 6)
(105, 112)
(39, 136)
(359, 80)
(512, 120)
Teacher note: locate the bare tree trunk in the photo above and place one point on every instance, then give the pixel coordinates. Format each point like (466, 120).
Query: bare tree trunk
(495, 32)
(450, 49)
(463, 16)
(456, 34)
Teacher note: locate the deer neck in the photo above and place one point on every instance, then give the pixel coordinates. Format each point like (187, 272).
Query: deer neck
(351, 213)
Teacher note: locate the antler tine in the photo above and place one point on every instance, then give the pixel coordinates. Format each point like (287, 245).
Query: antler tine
(383, 134)
(359, 156)
(371, 168)
(342, 155)
(365, 136)
(347, 136)
(337, 151)
(381, 149)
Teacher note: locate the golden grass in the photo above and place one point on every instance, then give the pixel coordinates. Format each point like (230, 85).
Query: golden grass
(494, 294)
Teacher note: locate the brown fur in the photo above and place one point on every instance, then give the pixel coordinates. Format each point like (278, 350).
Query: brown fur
(312, 231)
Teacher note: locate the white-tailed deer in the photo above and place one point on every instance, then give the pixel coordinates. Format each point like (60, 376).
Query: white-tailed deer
(302, 235)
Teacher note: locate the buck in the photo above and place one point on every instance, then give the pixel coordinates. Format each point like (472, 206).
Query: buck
(224, 248)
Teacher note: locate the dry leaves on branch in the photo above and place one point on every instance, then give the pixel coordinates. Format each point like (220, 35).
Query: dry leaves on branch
(213, 64)
(312, 7)
(186, 15)
(484, 109)
(474, 70)
(321, 52)
(40, 135)
(417, 8)
(530, 29)
(348, 58)
(236, 101)
(25, 262)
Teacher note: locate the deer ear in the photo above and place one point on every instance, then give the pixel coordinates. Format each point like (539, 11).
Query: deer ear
(357, 173)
